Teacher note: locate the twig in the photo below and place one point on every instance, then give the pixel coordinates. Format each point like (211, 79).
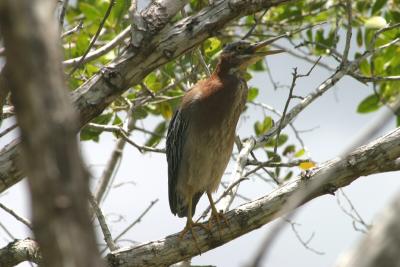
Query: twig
(7, 231)
(152, 203)
(278, 132)
(276, 112)
(62, 14)
(305, 243)
(272, 164)
(124, 134)
(226, 192)
(99, 52)
(16, 216)
(9, 129)
(256, 22)
(77, 28)
(353, 213)
(103, 225)
(94, 39)
(346, 50)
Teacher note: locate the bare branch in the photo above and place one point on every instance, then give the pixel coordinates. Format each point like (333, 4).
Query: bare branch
(380, 247)
(94, 39)
(102, 221)
(16, 216)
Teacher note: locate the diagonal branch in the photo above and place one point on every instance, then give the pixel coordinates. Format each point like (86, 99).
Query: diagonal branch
(378, 156)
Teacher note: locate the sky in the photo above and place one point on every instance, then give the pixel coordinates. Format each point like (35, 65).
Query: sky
(330, 124)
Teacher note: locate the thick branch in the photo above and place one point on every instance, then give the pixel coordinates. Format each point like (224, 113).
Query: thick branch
(19, 251)
(375, 157)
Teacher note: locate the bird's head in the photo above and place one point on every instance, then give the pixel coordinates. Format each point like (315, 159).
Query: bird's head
(241, 54)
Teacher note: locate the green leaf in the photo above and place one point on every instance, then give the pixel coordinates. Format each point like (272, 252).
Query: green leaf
(212, 46)
(288, 150)
(262, 127)
(91, 12)
(359, 37)
(258, 66)
(252, 94)
(282, 139)
(166, 110)
(369, 104)
(117, 120)
(377, 6)
(288, 176)
(300, 153)
(271, 155)
(103, 118)
(158, 133)
(87, 134)
(365, 68)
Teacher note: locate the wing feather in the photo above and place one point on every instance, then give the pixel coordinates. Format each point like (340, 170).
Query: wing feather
(175, 141)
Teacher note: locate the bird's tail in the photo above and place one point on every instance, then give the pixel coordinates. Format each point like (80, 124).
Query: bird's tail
(181, 208)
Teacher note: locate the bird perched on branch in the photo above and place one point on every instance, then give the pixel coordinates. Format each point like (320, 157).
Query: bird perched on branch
(202, 131)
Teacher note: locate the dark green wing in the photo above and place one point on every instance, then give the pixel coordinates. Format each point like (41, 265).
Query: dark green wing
(176, 136)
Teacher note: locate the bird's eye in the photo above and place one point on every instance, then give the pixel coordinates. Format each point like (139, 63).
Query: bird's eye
(240, 48)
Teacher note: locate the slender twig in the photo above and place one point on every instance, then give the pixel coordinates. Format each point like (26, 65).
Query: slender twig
(16, 216)
(305, 243)
(376, 78)
(124, 134)
(272, 164)
(346, 50)
(152, 203)
(226, 192)
(75, 29)
(9, 129)
(99, 52)
(278, 132)
(94, 39)
(353, 213)
(62, 13)
(7, 231)
(103, 225)
(256, 22)
(276, 112)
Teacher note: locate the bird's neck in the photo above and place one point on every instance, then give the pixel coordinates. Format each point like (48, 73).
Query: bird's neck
(224, 68)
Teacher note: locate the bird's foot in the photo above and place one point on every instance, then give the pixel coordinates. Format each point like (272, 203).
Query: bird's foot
(218, 216)
(189, 227)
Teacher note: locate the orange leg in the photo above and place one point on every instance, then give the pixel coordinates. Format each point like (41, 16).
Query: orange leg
(216, 215)
(189, 226)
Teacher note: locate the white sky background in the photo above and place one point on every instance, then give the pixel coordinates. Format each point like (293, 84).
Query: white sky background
(338, 124)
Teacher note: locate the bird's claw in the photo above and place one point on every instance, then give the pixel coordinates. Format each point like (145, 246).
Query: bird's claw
(189, 227)
(217, 216)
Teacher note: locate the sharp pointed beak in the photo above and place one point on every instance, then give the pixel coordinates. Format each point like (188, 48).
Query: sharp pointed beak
(260, 51)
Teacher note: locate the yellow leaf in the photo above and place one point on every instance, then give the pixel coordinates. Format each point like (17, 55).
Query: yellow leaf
(307, 165)
(375, 23)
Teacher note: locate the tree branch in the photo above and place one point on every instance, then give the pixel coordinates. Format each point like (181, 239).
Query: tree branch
(376, 157)
(19, 251)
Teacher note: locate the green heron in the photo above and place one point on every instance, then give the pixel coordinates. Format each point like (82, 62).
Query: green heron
(202, 131)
